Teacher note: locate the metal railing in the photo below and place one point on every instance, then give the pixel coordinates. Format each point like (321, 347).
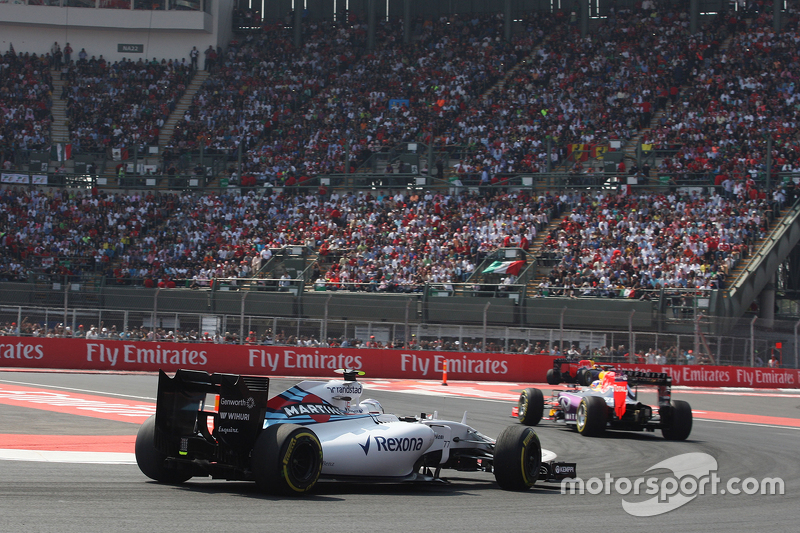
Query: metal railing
(744, 346)
(209, 181)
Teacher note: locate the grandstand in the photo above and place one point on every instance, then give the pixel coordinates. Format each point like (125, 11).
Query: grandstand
(628, 165)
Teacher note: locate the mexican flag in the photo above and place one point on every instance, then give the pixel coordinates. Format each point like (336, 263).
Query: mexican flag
(505, 267)
(60, 152)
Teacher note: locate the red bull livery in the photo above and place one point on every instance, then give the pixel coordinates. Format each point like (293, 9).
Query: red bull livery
(610, 402)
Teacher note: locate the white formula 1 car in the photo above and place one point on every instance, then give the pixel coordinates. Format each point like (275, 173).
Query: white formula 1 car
(224, 426)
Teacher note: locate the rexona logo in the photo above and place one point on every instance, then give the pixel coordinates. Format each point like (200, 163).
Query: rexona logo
(402, 444)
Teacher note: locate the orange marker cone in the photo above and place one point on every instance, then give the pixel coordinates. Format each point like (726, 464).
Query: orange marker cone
(444, 374)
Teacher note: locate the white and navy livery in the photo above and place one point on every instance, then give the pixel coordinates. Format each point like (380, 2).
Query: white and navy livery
(222, 425)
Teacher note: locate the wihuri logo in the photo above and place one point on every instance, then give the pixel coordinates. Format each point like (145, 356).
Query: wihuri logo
(693, 474)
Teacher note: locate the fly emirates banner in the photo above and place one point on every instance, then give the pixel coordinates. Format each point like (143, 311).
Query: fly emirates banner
(118, 355)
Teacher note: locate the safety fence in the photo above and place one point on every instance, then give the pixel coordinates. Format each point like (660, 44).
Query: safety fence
(707, 341)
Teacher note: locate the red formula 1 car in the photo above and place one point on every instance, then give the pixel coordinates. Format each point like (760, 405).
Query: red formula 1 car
(582, 371)
(611, 402)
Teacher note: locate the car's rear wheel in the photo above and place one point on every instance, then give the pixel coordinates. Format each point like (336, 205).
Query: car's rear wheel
(680, 421)
(287, 459)
(584, 377)
(517, 458)
(151, 461)
(553, 378)
(530, 407)
(592, 416)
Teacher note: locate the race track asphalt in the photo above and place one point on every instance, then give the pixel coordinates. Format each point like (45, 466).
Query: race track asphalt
(41, 496)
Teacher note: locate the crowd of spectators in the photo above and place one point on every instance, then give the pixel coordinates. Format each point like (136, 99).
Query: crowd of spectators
(741, 96)
(570, 90)
(389, 241)
(297, 107)
(386, 242)
(260, 83)
(123, 104)
(613, 245)
(400, 92)
(25, 87)
(583, 91)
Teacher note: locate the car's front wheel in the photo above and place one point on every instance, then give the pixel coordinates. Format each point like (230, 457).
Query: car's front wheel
(530, 407)
(517, 458)
(287, 459)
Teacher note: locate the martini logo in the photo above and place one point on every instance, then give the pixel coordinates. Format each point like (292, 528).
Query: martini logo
(311, 406)
(306, 409)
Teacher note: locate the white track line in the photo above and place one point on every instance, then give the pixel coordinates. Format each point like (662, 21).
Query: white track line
(45, 456)
(88, 391)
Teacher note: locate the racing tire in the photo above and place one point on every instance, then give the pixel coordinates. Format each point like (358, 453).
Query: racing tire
(553, 378)
(680, 421)
(591, 416)
(517, 458)
(287, 459)
(584, 377)
(151, 460)
(530, 407)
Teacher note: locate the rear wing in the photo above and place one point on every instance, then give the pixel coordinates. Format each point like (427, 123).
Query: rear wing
(660, 379)
(580, 363)
(186, 402)
(557, 362)
(646, 378)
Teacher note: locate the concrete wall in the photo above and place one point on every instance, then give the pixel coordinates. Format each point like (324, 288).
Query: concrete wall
(343, 306)
(609, 312)
(538, 312)
(256, 303)
(466, 310)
